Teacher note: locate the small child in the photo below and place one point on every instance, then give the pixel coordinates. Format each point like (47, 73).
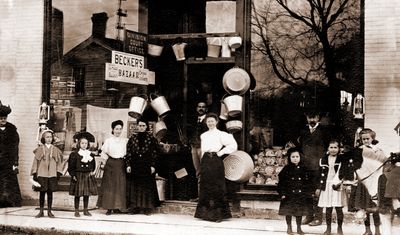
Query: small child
(46, 170)
(331, 196)
(372, 157)
(294, 190)
(81, 164)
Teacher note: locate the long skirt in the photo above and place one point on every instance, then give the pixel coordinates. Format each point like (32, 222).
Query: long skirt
(142, 192)
(212, 204)
(84, 186)
(113, 185)
(296, 205)
(393, 183)
(10, 194)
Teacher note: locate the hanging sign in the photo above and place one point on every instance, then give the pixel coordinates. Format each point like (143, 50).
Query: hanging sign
(128, 74)
(126, 59)
(135, 43)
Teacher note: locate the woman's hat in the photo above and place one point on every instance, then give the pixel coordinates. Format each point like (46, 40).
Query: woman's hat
(4, 110)
(45, 131)
(85, 135)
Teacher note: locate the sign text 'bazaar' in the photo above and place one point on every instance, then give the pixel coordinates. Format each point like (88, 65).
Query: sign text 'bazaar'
(128, 74)
(126, 59)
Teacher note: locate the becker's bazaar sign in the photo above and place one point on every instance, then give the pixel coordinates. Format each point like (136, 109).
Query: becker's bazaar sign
(129, 68)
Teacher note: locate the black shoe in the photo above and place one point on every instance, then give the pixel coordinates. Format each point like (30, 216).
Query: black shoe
(299, 231)
(117, 211)
(77, 214)
(87, 213)
(50, 215)
(307, 220)
(315, 222)
(147, 211)
(40, 214)
(108, 212)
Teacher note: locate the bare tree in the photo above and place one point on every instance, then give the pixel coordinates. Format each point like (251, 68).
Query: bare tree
(299, 38)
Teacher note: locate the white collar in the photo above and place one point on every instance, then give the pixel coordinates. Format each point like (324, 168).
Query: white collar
(314, 127)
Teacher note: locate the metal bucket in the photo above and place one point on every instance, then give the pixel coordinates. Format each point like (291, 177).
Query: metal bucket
(223, 114)
(234, 126)
(159, 104)
(161, 183)
(179, 51)
(154, 50)
(233, 104)
(137, 106)
(160, 129)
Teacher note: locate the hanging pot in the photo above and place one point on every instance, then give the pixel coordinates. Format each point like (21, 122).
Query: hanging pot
(236, 81)
(137, 106)
(223, 112)
(235, 42)
(160, 129)
(154, 50)
(234, 126)
(159, 104)
(179, 51)
(233, 104)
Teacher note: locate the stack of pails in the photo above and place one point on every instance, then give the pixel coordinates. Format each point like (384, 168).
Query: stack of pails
(236, 82)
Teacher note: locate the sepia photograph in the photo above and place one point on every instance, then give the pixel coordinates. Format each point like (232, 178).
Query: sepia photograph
(199, 117)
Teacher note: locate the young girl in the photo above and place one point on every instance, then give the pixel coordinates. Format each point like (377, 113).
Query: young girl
(46, 169)
(294, 190)
(81, 164)
(372, 158)
(328, 197)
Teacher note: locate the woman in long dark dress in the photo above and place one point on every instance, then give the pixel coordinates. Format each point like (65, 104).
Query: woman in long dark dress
(10, 194)
(215, 144)
(140, 161)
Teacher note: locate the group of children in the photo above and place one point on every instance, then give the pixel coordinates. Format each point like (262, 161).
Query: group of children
(47, 167)
(336, 166)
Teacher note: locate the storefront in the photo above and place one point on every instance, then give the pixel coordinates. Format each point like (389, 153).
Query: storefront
(71, 76)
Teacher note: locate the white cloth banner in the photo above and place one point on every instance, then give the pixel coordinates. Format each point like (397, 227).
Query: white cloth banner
(99, 121)
(221, 17)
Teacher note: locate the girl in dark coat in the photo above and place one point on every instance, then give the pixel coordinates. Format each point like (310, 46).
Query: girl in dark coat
(10, 194)
(81, 164)
(140, 161)
(294, 190)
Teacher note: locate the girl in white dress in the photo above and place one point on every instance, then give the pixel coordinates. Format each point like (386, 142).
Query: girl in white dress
(328, 196)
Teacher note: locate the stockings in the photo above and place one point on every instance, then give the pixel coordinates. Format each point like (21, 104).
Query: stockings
(49, 199)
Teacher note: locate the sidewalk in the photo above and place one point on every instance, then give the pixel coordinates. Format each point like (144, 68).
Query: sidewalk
(22, 220)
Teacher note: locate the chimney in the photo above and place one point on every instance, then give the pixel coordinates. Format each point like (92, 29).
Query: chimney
(99, 25)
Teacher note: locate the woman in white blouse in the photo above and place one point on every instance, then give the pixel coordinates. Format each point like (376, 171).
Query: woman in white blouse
(113, 185)
(215, 144)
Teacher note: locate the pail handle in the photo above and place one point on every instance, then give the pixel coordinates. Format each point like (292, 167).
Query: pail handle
(153, 96)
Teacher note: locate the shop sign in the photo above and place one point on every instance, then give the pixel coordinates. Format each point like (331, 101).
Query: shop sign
(126, 59)
(135, 43)
(128, 74)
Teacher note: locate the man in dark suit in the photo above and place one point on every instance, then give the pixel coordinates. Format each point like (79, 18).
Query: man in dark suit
(198, 126)
(313, 141)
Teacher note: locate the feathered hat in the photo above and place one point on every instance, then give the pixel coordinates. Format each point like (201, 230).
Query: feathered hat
(84, 134)
(4, 110)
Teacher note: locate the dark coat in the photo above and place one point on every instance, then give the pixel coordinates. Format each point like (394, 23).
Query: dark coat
(75, 164)
(195, 130)
(350, 162)
(314, 145)
(10, 194)
(294, 185)
(324, 169)
(9, 142)
(141, 156)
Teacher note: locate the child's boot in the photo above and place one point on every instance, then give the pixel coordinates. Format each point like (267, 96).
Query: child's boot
(367, 230)
(299, 231)
(289, 229)
(86, 212)
(377, 230)
(51, 215)
(328, 230)
(339, 230)
(76, 214)
(40, 214)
